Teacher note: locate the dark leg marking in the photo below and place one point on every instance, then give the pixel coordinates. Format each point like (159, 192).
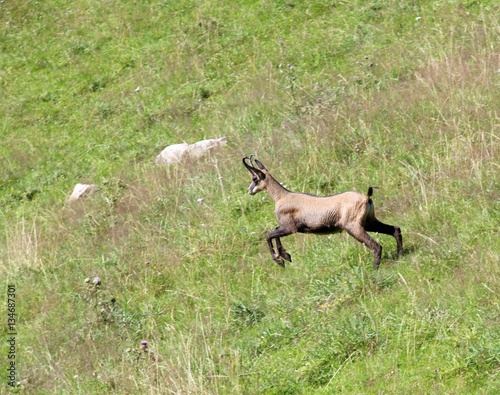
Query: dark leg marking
(380, 227)
(360, 235)
(276, 234)
(282, 252)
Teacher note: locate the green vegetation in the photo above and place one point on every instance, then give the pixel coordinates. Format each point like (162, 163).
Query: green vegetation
(331, 96)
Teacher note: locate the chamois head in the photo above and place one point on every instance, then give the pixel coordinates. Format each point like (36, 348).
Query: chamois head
(258, 175)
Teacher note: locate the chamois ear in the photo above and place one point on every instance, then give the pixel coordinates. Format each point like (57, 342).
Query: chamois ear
(259, 163)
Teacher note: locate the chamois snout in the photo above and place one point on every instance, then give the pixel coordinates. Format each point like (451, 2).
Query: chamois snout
(251, 191)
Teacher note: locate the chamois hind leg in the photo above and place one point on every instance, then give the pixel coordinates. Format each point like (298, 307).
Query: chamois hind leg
(360, 235)
(276, 234)
(376, 226)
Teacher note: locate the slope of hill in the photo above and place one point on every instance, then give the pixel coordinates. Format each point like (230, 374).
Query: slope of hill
(331, 96)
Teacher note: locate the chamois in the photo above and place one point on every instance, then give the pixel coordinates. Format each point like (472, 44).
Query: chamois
(305, 213)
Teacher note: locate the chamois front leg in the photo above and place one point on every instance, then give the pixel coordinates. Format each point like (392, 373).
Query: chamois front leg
(282, 252)
(280, 231)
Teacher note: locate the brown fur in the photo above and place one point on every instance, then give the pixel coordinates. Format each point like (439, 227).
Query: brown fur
(304, 213)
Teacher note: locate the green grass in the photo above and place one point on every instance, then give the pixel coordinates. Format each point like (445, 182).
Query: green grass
(331, 96)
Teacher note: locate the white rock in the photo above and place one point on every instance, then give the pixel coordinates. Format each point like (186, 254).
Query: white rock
(197, 150)
(177, 152)
(81, 190)
(172, 154)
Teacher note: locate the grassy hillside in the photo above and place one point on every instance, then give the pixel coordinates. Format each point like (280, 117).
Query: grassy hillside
(331, 96)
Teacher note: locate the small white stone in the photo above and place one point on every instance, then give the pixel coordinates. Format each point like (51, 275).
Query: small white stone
(81, 190)
(175, 153)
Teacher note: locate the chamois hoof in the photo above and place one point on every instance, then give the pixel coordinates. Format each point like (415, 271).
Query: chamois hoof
(279, 261)
(286, 256)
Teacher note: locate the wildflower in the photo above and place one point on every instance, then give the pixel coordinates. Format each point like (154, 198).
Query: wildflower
(144, 344)
(96, 281)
